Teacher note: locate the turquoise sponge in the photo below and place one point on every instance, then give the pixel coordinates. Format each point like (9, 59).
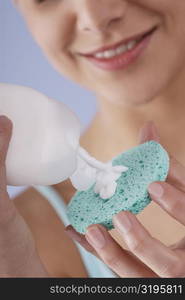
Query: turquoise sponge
(146, 163)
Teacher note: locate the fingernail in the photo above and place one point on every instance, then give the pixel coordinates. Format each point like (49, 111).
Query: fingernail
(123, 222)
(3, 122)
(155, 132)
(144, 133)
(156, 189)
(73, 235)
(3, 118)
(95, 237)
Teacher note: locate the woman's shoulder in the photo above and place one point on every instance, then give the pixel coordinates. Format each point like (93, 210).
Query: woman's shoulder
(34, 208)
(30, 200)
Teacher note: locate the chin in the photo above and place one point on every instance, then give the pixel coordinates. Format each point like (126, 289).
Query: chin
(123, 97)
(138, 91)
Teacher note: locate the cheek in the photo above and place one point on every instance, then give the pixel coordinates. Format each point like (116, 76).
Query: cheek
(55, 41)
(52, 31)
(152, 75)
(46, 37)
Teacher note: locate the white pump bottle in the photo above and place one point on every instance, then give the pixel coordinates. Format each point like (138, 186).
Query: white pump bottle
(44, 148)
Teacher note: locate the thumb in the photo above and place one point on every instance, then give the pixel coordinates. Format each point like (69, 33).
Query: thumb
(7, 208)
(5, 136)
(148, 132)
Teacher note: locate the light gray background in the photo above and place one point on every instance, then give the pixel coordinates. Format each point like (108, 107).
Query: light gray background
(21, 62)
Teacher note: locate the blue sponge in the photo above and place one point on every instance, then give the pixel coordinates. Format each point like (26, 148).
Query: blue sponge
(146, 163)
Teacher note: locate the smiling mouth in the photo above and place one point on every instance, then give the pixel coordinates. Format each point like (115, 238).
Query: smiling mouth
(119, 48)
(123, 54)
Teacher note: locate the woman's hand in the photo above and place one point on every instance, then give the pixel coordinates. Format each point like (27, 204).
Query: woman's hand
(147, 257)
(18, 255)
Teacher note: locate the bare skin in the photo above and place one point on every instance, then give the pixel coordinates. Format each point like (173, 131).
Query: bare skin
(151, 89)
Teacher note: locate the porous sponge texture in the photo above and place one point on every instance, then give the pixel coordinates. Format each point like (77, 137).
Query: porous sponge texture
(146, 163)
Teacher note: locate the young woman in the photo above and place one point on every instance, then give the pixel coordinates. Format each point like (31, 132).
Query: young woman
(130, 53)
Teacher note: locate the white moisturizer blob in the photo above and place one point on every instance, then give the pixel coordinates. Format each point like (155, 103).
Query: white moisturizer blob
(91, 172)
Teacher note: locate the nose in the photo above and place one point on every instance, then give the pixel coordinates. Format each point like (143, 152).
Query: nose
(99, 15)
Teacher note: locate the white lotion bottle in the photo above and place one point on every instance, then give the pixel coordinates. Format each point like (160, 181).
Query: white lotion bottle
(45, 138)
(44, 148)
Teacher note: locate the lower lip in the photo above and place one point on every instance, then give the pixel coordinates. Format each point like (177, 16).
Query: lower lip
(123, 60)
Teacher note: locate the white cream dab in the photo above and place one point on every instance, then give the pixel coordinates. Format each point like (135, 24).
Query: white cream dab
(90, 171)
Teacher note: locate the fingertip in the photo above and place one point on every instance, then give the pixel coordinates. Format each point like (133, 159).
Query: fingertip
(74, 235)
(68, 227)
(148, 132)
(122, 214)
(5, 121)
(155, 132)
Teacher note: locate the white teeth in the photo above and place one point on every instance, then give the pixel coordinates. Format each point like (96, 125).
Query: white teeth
(99, 55)
(121, 49)
(131, 45)
(109, 53)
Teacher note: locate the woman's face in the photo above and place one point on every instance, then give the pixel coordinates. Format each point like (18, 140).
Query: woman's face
(68, 29)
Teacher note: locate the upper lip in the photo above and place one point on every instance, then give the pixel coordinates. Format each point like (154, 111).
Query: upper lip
(125, 41)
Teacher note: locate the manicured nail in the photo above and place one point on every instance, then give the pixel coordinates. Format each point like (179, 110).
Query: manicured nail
(72, 234)
(143, 133)
(149, 132)
(95, 237)
(156, 189)
(155, 132)
(123, 222)
(3, 118)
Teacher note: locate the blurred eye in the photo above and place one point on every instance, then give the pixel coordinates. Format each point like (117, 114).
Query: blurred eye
(40, 1)
(47, 2)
